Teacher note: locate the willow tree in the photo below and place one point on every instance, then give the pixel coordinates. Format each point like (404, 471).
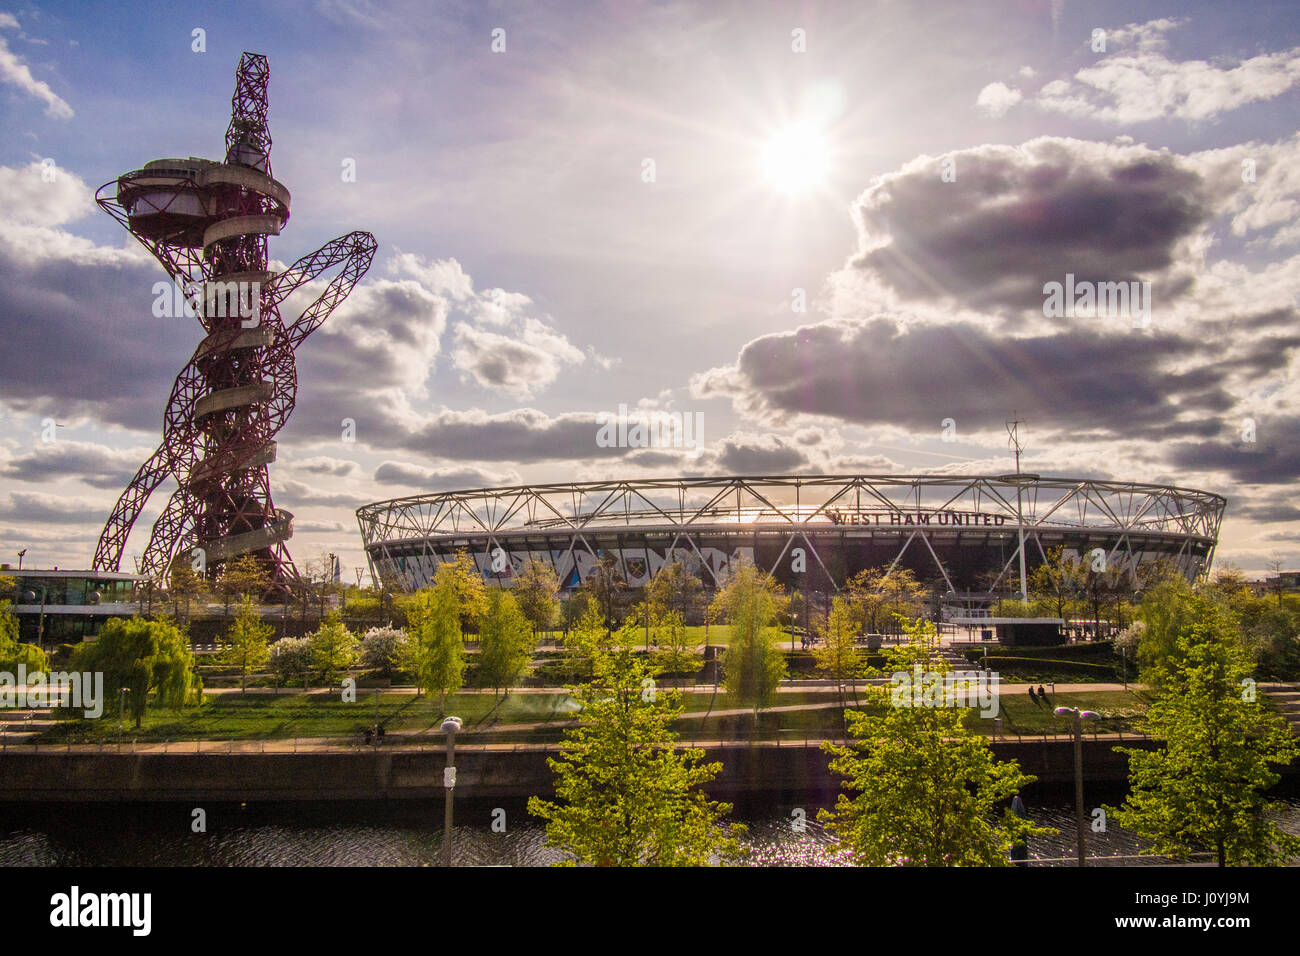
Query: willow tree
(625, 794)
(143, 657)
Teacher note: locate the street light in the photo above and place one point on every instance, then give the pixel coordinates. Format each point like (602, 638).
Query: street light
(121, 706)
(20, 558)
(1079, 717)
(449, 727)
(30, 598)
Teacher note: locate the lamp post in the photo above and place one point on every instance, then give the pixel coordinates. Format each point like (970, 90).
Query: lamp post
(1079, 717)
(449, 727)
(30, 597)
(20, 558)
(121, 706)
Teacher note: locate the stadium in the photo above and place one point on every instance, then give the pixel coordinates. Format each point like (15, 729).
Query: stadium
(959, 534)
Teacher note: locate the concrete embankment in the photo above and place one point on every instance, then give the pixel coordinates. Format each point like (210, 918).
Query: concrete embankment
(790, 770)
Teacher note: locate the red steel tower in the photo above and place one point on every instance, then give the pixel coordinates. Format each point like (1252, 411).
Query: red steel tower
(208, 224)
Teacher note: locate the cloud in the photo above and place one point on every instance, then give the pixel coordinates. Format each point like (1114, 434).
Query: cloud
(870, 372)
(996, 98)
(441, 479)
(324, 465)
(518, 365)
(1140, 83)
(16, 73)
(94, 465)
(758, 455)
(50, 509)
(1018, 217)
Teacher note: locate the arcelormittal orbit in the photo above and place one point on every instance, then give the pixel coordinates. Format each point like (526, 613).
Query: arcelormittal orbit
(208, 224)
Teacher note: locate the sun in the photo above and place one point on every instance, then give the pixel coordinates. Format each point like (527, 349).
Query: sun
(795, 160)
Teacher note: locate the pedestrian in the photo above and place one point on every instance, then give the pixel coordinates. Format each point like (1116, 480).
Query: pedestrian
(381, 734)
(368, 734)
(1032, 695)
(1042, 693)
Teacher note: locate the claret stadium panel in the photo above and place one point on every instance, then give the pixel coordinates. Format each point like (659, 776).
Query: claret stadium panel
(959, 534)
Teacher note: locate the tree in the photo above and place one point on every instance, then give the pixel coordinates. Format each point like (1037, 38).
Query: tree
(1204, 787)
(248, 638)
(677, 652)
(505, 642)
(333, 648)
(467, 584)
(1166, 613)
(606, 584)
(674, 588)
(242, 577)
(380, 648)
(537, 592)
(838, 656)
(625, 796)
(435, 623)
(878, 596)
(145, 657)
(185, 583)
(1055, 582)
(14, 652)
(291, 657)
(586, 638)
(753, 666)
(925, 785)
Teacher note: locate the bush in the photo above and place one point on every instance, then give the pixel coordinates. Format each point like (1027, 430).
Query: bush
(379, 648)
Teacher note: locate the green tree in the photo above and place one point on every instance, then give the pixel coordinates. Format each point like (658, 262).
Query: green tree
(435, 624)
(925, 786)
(677, 651)
(14, 652)
(467, 583)
(247, 638)
(837, 655)
(1204, 787)
(674, 588)
(537, 592)
(146, 657)
(185, 582)
(505, 642)
(878, 596)
(625, 795)
(586, 638)
(241, 577)
(1054, 582)
(606, 584)
(333, 648)
(753, 666)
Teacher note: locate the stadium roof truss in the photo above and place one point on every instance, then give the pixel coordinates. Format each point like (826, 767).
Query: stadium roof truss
(801, 508)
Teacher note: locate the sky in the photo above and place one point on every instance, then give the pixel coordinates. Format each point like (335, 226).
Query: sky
(827, 231)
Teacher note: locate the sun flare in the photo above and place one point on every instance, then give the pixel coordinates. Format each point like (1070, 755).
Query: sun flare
(795, 160)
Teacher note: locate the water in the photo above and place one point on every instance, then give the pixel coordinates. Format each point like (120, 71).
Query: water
(410, 834)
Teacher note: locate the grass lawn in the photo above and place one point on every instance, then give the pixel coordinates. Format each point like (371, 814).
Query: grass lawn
(314, 714)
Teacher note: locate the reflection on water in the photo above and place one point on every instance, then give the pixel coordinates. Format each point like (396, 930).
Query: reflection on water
(410, 834)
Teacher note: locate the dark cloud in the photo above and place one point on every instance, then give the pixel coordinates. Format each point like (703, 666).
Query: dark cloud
(49, 509)
(1273, 458)
(80, 338)
(95, 465)
(439, 479)
(759, 456)
(885, 372)
(1016, 218)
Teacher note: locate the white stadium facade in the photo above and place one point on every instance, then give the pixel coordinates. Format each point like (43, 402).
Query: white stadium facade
(959, 534)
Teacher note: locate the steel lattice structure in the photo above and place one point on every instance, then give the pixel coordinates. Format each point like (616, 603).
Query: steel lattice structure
(208, 224)
(952, 530)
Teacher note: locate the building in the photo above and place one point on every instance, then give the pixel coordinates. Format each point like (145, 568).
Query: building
(66, 607)
(959, 534)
